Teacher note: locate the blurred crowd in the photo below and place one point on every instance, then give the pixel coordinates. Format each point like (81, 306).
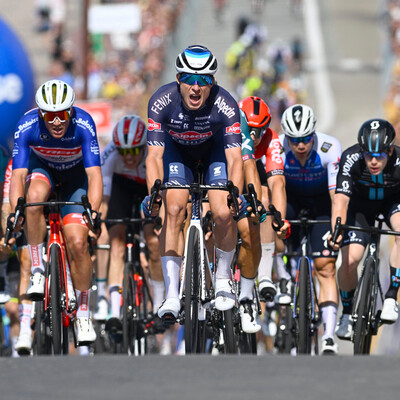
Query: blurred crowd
(123, 68)
(392, 100)
(270, 68)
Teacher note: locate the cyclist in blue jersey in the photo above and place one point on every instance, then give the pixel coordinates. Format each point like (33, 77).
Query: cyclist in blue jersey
(194, 119)
(56, 144)
(368, 184)
(311, 162)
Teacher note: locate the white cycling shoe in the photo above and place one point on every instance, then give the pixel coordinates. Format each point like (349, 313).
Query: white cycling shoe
(101, 313)
(390, 311)
(169, 306)
(36, 286)
(224, 296)
(249, 317)
(24, 344)
(85, 332)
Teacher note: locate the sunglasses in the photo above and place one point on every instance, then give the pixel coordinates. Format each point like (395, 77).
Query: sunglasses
(379, 156)
(51, 116)
(194, 79)
(257, 132)
(305, 139)
(133, 151)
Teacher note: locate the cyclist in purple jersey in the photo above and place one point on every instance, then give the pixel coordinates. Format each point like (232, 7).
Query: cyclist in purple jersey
(189, 120)
(56, 144)
(368, 184)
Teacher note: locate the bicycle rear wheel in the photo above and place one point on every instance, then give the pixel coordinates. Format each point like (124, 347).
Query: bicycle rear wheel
(140, 314)
(230, 346)
(128, 326)
(192, 288)
(55, 302)
(362, 333)
(304, 308)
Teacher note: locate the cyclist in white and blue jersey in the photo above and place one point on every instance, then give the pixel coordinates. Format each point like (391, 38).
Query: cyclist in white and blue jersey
(56, 144)
(311, 162)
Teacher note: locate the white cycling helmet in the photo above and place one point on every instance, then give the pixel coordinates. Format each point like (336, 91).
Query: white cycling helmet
(130, 132)
(298, 121)
(55, 95)
(196, 60)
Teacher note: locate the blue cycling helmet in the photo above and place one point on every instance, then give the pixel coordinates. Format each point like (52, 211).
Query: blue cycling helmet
(196, 59)
(376, 135)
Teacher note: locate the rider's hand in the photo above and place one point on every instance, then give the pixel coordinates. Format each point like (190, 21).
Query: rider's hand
(285, 230)
(335, 245)
(10, 222)
(7, 250)
(244, 207)
(156, 207)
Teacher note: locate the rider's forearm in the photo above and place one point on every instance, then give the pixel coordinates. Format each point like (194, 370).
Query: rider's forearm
(154, 170)
(339, 208)
(277, 184)
(17, 186)
(95, 187)
(235, 167)
(251, 176)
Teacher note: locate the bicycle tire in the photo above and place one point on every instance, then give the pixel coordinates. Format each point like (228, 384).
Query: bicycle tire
(2, 336)
(128, 327)
(39, 336)
(362, 338)
(192, 287)
(303, 307)
(55, 305)
(248, 343)
(140, 316)
(230, 346)
(284, 340)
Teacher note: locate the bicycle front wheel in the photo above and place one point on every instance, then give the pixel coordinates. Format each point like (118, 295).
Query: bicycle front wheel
(55, 301)
(304, 308)
(128, 325)
(229, 333)
(192, 290)
(362, 333)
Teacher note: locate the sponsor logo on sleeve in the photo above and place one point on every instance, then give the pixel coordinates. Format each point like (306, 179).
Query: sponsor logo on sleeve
(224, 107)
(233, 129)
(325, 147)
(153, 125)
(160, 103)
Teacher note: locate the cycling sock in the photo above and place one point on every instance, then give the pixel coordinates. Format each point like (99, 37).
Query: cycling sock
(115, 301)
(70, 286)
(280, 267)
(36, 257)
(329, 314)
(347, 301)
(83, 298)
(25, 313)
(394, 283)
(224, 261)
(265, 267)
(171, 267)
(158, 293)
(246, 288)
(101, 287)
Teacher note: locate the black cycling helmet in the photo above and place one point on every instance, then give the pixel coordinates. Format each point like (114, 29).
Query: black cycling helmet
(196, 60)
(376, 135)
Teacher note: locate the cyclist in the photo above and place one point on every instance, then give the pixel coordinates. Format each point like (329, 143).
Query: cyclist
(56, 144)
(311, 163)
(124, 176)
(189, 120)
(23, 344)
(258, 140)
(368, 184)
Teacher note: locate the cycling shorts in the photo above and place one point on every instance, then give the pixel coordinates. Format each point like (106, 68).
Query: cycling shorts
(180, 161)
(126, 197)
(72, 183)
(319, 209)
(362, 212)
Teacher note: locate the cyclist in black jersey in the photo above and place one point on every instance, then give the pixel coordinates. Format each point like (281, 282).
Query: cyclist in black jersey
(194, 119)
(368, 184)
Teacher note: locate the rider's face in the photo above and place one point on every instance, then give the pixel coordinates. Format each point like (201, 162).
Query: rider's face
(132, 161)
(194, 96)
(376, 164)
(57, 127)
(300, 150)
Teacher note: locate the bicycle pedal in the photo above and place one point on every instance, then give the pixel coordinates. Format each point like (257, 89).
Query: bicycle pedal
(168, 319)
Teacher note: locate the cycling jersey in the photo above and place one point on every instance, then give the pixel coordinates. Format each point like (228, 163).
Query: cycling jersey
(168, 116)
(112, 163)
(320, 170)
(269, 147)
(78, 144)
(354, 176)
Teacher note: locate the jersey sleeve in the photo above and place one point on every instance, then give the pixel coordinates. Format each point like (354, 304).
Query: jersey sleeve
(230, 118)
(332, 165)
(7, 181)
(348, 167)
(22, 142)
(89, 143)
(247, 141)
(107, 167)
(270, 147)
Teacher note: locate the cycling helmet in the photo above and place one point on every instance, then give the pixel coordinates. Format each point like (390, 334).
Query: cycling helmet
(196, 60)
(130, 132)
(376, 135)
(256, 110)
(55, 95)
(298, 121)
